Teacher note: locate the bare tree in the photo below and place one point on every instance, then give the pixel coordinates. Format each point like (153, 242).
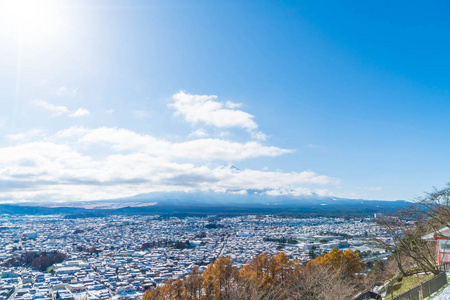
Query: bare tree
(411, 252)
(434, 208)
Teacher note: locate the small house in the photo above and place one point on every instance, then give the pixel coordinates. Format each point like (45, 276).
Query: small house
(442, 241)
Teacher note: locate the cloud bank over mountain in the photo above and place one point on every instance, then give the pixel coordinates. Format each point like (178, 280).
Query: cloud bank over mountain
(82, 163)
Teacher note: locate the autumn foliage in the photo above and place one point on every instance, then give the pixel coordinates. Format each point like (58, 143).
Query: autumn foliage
(345, 263)
(38, 260)
(333, 276)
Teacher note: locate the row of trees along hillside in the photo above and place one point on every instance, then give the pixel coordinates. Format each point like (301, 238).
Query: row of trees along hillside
(332, 276)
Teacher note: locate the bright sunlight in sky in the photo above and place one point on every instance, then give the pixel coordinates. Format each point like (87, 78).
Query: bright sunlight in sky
(30, 20)
(102, 99)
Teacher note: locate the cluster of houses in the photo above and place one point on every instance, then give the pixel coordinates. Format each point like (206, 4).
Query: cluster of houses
(119, 257)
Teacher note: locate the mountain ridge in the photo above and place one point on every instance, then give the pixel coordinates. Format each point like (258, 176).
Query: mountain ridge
(204, 203)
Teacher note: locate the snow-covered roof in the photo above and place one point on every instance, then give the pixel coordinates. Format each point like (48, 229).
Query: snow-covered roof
(445, 231)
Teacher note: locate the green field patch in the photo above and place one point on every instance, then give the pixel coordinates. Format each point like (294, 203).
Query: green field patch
(396, 288)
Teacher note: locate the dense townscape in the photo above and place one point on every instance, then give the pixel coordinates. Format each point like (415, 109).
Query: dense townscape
(118, 257)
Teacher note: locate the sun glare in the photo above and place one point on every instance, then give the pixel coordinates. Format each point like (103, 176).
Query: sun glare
(29, 20)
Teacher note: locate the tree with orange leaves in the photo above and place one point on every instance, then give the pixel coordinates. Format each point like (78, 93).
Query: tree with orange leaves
(330, 277)
(173, 289)
(218, 279)
(346, 263)
(255, 272)
(193, 289)
(265, 277)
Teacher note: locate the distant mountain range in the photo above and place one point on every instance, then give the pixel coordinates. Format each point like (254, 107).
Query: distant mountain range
(204, 203)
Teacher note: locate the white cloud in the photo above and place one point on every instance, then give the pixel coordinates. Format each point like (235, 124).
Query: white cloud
(56, 110)
(324, 193)
(23, 136)
(109, 111)
(198, 149)
(205, 109)
(67, 166)
(224, 134)
(66, 92)
(62, 167)
(81, 112)
(258, 135)
(198, 133)
(260, 180)
(232, 105)
(241, 192)
(290, 192)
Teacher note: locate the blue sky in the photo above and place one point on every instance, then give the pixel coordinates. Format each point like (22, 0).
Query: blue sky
(104, 99)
